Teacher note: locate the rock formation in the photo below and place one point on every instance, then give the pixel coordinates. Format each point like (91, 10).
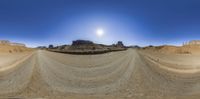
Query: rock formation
(51, 46)
(88, 47)
(84, 45)
(120, 44)
(82, 42)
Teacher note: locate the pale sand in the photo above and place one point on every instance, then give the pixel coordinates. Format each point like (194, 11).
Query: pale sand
(116, 75)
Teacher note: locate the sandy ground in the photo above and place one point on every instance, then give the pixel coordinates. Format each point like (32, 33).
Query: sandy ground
(6, 48)
(116, 75)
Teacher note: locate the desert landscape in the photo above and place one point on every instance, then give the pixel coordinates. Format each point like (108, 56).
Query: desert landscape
(162, 72)
(99, 49)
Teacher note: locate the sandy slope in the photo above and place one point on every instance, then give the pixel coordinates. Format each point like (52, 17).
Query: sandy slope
(5, 48)
(124, 74)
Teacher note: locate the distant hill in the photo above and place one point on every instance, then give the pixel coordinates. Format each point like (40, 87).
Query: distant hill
(87, 47)
(9, 47)
(185, 49)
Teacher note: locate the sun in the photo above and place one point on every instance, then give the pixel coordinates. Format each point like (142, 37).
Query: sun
(99, 32)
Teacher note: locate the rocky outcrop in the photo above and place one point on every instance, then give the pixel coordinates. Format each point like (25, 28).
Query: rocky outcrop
(88, 47)
(120, 44)
(82, 42)
(84, 45)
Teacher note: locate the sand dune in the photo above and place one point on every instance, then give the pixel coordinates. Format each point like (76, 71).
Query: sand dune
(124, 74)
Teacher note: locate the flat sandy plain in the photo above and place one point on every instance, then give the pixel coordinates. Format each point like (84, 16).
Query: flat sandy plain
(130, 74)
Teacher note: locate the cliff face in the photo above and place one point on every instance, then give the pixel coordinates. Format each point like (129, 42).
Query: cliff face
(84, 45)
(82, 42)
(120, 44)
(88, 47)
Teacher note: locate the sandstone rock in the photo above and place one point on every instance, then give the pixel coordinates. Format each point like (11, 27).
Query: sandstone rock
(82, 42)
(120, 44)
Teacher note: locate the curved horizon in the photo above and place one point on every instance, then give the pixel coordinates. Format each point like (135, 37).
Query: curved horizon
(138, 22)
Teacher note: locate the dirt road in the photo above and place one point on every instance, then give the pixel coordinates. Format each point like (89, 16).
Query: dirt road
(124, 74)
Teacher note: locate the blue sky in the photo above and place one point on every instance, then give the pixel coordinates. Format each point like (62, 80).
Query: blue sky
(135, 22)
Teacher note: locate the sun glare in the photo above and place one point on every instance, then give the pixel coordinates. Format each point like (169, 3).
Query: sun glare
(99, 32)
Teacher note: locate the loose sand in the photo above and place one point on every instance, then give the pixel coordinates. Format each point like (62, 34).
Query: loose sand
(138, 74)
(186, 49)
(5, 48)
